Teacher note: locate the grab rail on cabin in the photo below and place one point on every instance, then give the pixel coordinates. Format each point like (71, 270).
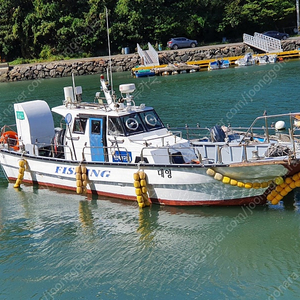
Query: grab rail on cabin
(116, 152)
(162, 137)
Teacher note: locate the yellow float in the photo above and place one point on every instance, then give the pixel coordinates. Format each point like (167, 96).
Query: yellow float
(283, 186)
(22, 167)
(81, 179)
(141, 191)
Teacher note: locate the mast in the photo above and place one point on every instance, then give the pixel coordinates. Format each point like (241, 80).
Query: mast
(109, 53)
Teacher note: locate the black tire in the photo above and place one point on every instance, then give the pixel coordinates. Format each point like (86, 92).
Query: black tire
(193, 45)
(175, 47)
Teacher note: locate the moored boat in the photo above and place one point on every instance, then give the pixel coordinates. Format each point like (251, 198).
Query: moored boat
(219, 64)
(247, 60)
(115, 147)
(144, 73)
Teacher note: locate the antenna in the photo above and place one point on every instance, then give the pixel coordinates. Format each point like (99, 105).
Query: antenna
(109, 54)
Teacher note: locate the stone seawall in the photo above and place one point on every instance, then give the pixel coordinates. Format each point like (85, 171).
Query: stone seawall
(121, 63)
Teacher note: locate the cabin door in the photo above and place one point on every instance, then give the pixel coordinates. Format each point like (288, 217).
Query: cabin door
(96, 139)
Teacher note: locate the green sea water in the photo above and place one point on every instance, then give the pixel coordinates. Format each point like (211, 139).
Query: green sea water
(57, 245)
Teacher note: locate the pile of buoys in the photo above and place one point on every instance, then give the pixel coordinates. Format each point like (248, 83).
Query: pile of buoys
(141, 191)
(81, 179)
(283, 187)
(233, 182)
(22, 166)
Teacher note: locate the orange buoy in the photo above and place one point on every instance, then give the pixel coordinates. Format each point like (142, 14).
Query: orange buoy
(10, 138)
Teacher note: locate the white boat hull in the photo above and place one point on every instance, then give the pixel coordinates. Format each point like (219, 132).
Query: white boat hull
(166, 184)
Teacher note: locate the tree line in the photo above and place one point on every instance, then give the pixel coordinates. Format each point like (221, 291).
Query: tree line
(40, 29)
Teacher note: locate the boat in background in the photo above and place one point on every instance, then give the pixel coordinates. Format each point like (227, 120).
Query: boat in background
(247, 60)
(266, 59)
(144, 73)
(219, 64)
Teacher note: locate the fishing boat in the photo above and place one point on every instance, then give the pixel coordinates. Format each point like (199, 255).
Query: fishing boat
(113, 146)
(219, 64)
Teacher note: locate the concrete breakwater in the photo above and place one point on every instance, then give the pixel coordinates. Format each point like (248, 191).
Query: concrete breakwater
(121, 63)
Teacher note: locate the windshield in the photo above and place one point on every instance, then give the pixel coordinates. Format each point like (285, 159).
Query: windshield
(134, 123)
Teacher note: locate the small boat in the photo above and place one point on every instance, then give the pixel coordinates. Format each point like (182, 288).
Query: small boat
(115, 147)
(144, 73)
(219, 64)
(247, 60)
(266, 59)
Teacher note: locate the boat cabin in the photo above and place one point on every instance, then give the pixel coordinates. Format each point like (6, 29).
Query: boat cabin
(107, 130)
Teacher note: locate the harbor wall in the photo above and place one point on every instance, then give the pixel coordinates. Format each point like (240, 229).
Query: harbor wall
(124, 62)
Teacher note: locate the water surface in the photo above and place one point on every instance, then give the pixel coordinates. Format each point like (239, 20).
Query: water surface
(57, 245)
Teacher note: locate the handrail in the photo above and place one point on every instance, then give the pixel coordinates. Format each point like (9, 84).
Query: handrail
(106, 152)
(263, 42)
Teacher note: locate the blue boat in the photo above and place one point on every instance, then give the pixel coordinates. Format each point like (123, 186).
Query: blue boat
(144, 73)
(219, 64)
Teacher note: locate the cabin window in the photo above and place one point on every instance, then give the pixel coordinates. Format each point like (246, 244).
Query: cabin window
(96, 127)
(133, 124)
(151, 120)
(115, 127)
(79, 125)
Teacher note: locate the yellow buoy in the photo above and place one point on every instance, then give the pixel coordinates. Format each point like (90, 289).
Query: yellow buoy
(79, 190)
(22, 163)
(142, 205)
(292, 185)
(297, 183)
(287, 188)
(138, 192)
(256, 185)
(278, 180)
(218, 176)
(241, 184)
(283, 193)
(275, 202)
(248, 185)
(136, 176)
(274, 193)
(78, 169)
(78, 176)
(264, 184)
(143, 182)
(296, 177)
(84, 183)
(270, 197)
(226, 180)
(136, 184)
(140, 199)
(78, 183)
(288, 180)
(233, 182)
(210, 172)
(142, 175)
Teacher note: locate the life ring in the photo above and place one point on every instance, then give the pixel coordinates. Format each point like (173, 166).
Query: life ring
(10, 138)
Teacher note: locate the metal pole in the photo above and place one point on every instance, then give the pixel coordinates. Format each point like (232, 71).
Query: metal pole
(297, 12)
